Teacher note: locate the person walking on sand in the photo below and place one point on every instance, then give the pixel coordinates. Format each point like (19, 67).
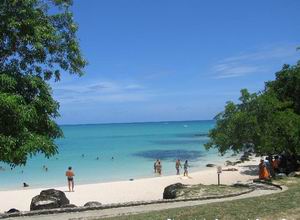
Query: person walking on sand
(70, 176)
(158, 167)
(185, 167)
(177, 166)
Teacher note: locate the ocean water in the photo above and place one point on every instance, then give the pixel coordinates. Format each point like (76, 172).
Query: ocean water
(133, 146)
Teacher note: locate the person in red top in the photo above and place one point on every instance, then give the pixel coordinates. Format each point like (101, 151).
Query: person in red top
(70, 176)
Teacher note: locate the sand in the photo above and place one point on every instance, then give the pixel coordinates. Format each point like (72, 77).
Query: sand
(136, 190)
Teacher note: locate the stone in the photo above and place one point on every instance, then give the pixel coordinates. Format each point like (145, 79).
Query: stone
(244, 158)
(294, 174)
(210, 165)
(170, 191)
(49, 199)
(247, 153)
(229, 163)
(281, 175)
(238, 184)
(92, 204)
(230, 169)
(68, 206)
(13, 210)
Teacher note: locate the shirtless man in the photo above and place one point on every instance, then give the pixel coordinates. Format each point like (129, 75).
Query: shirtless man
(177, 166)
(70, 176)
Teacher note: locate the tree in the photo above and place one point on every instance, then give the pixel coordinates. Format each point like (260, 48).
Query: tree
(37, 43)
(268, 121)
(287, 85)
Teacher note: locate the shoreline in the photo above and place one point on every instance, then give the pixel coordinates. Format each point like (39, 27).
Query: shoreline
(149, 188)
(194, 167)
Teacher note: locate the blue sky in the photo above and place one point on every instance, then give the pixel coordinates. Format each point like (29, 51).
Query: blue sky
(173, 59)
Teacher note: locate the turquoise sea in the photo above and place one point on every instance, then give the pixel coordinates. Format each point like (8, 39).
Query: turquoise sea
(133, 146)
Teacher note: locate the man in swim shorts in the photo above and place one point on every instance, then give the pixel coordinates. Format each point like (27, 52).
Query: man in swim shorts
(70, 176)
(177, 166)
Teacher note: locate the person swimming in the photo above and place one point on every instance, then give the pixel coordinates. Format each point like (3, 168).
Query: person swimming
(45, 168)
(25, 185)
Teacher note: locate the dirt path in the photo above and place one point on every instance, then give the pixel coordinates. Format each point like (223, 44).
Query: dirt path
(96, 214)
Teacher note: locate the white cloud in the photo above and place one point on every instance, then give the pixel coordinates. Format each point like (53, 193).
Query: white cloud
(230, 70)
(104, 91)
(266, 53)
(134, 86)
(258, 61)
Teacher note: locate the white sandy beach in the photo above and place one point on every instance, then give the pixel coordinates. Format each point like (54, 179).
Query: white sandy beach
(125, 191)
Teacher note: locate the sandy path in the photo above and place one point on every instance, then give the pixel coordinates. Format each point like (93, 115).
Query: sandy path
(96, 214)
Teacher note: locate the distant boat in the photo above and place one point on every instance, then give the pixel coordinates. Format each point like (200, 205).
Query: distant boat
(185, 126)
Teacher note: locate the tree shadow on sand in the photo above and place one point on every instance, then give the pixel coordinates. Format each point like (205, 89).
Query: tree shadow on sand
(251, 170)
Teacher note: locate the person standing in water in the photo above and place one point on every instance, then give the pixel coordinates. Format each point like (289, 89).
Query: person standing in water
(185, 167)
(155, 165)
(70, 176)
(158, 167)
(177, 166)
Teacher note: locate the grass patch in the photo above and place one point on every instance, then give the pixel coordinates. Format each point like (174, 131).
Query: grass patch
(285, 205)
(209, 190)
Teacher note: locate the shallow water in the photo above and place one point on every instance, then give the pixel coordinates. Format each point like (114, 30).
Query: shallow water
(133, 146)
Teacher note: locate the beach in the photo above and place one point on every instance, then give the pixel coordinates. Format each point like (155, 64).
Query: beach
(126, 191)
(89, 149)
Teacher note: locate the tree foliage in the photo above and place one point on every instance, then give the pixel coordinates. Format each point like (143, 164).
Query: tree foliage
(268, 121)
(37, 43)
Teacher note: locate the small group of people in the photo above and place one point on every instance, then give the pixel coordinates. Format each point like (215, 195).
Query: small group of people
(270, 166)
(97, 158)
(185, 167)
(158, 167)
(265, 169)
(45, 168)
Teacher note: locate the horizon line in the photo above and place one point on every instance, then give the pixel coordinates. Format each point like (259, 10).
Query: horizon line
(135, 122)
